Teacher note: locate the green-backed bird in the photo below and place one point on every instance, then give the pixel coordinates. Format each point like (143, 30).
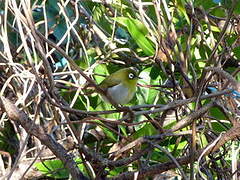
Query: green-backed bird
(121, 85)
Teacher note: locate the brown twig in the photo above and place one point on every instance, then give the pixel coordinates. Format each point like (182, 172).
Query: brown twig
(231, 134)
(194, 115)
(178, 103)
(154, 169)
(19, 116)
(224, 74)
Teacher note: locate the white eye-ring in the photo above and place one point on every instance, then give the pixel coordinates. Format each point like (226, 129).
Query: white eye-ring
(131, 75)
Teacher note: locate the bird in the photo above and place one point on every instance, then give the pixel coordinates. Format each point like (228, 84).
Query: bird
(121, 85)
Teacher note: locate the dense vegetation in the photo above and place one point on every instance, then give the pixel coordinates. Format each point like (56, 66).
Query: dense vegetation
(182, 122)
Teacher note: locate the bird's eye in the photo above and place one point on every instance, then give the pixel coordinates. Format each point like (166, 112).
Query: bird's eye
(131, 75)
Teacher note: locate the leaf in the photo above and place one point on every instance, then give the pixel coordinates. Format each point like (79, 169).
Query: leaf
(122, 36)
(146, 130)
(110, 134)
(154, 73)
(99, 16)
(124, 21)
(181, 8)
(52, 11)
(138, 32)
(207, 4)
(236, 52)
(101, 69)
(215, 29)
(53, 168)
(215, 112)
(231, 39)
(220, 127)
(150, 76)
(60, 30)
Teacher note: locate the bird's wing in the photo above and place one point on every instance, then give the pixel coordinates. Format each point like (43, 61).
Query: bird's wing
(110, 83)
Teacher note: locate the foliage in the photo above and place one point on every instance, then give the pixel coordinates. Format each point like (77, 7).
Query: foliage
(188, 54)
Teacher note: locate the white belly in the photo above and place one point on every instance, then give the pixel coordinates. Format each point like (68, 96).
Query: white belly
(120, 94)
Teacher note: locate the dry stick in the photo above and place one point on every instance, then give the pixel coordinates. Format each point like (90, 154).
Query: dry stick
(9, 162)
(189, 119)
(178, 103)
(225, 75)
(75, 66)
(106, 162)
(77, 111)
(170, 157)
(22, 149)
(152, 170)
(111, 164)
(146, 139)
(170, 105)
(46, 64)
(193, 146)
(30, 21)
(236, 71)
(23, 146)
(21, 117)
(92, 82)
(210, 59)
(231, 134)
(193, 87)
(90, 119)
(97, 158)
(32, 163)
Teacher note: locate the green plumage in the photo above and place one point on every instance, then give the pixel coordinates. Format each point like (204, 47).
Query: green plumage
(121, 85)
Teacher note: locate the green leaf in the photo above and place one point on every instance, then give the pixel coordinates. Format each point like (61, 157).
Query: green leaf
(220, 126)
(231, 39)
(207, 4)
(147, 95)
(154, 73)
(159, 156)
(55, 168)
(52, 11)
(117, 170)
(99, 16)
(237, 52)
(181, 8)
(124, 22)
(215, 29)
(110, 134)
(146, 130)
(60, 30)
(215, 112)
(138, 32)
(123, 130)
(52, 168)
(101, 69)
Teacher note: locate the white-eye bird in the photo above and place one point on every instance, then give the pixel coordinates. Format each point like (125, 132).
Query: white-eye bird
(121, 85)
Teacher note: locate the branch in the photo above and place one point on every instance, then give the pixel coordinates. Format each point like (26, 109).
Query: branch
(231, 134)
(152, 170)
(225, 75)
(189, 119)
(19, 116)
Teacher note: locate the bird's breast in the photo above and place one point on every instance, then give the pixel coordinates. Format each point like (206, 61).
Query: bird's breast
(120, 94)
